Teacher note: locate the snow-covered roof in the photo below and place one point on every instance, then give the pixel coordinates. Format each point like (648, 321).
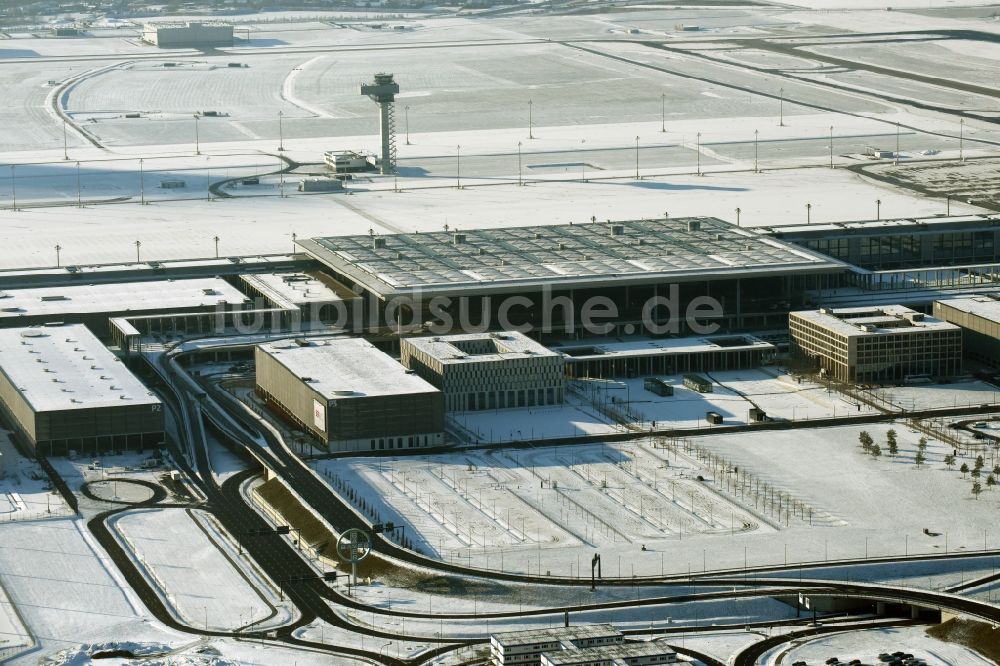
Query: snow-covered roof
(563, 256)
(117, 297)
(980, 306)
(608, 653)
(67, 367)
(548, 634)
(296, 289)
(480, 347)
(873, 320)
(642, 346)
(343, 368)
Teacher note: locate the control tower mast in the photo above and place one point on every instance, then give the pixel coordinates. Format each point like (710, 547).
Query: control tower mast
(383, 91)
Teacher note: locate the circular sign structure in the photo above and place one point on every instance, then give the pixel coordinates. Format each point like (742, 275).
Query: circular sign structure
(354, 545)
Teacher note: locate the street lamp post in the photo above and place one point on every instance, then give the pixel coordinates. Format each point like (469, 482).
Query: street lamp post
(58, 258)
(637, 157)
(831, 146)
(138, 244)
(663, 112)
(755, 137)
(895, 156)
(142, 184)
(530, 132)
(519, 180)
(216, 239)
(406, 116)
(781, 107)
(738, 217)
(961, 139)
(809, 213)
(294, 236)
(281, 132)
(698, 151)
(197, 141)
(878, 210)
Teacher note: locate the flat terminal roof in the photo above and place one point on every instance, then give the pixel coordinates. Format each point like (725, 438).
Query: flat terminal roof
(503, 347)
(573, 633)
(883, 226)
(887, 319)
(344, 368)
(562, 256)
(117, 297)
(66, 367)
(980, 306)
(605, 348)
(627, 650)
(296, 289)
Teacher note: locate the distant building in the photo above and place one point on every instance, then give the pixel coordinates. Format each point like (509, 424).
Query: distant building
(350, 161)
(63, 390)
(316, 296)
(487, 370)
(349, 395)
(875, 344)
(979, 319)
(638, 355)
(630, 653)
(525, 648)
(321, 184)
(95, 304)
(188, 35)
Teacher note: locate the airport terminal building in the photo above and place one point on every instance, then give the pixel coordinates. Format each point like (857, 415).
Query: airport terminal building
(558, 273)
(349, 395)
(62, 390)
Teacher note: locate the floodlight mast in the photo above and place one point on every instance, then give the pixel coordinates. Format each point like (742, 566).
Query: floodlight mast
(383, 92)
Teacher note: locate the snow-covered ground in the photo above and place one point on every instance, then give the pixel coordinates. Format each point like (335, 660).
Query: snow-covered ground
(191, 562)
(867, 645)
(768, 497)
(601, 406)
(25, 490)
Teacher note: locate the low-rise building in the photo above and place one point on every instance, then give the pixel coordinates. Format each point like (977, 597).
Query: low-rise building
(979, 319)
(525, 648)
(62, 390)
(639, 355)
(349, 395)
(478, 371)
(886, 343)
(628, 653)
(188, 35)
(94, 304)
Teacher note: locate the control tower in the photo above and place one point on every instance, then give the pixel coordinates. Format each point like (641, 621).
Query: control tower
(384, 92)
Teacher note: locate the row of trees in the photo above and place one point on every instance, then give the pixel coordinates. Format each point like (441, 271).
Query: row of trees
(869, 446)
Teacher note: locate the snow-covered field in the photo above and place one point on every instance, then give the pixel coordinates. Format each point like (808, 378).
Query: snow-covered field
(867, 645)
(596, 406)
(784, 496)
(193, 565)
(25, 490)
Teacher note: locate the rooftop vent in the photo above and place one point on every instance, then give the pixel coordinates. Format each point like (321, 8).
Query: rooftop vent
(694, 225)
(617, 229)
(458, 239)
(378, 242)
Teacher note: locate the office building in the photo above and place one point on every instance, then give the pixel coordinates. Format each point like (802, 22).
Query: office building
(888, 343)
(478, 371)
